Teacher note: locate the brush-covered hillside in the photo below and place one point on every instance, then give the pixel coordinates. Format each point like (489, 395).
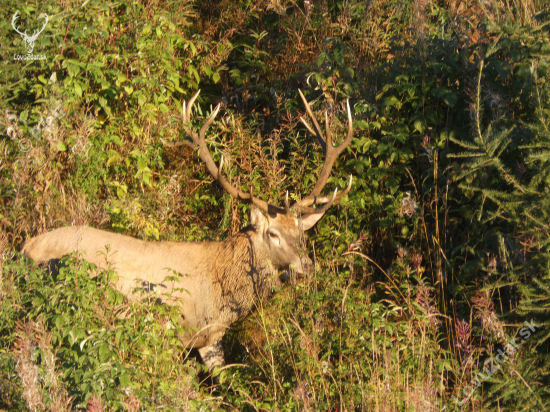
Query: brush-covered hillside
(432, 283)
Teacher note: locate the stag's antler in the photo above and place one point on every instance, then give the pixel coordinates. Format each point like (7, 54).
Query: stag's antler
(331, 153)
(198, 141)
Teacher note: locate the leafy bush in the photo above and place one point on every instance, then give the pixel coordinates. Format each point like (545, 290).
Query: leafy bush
(74, 338)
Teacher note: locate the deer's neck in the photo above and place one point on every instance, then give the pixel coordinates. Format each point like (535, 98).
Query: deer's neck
(243, 274)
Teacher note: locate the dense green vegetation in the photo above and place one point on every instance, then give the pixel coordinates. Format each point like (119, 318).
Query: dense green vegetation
(438, 259)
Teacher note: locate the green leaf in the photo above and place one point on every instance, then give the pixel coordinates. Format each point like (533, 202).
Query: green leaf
(116, 140)
(61, 147)
(361, 124)
(524, 70)
(124, 380)
(104, 352)
(194, 72)
(419, 125)
(141, 99)
(163, 108)
(59, 321)
(451, 99)
(114, 157)
(147, 174)
(74, 70)
(385, 222)
(121, 78)
(391, 101)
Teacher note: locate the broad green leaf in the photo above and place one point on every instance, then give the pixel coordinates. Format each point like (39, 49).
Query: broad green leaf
(116, 140)
(104, 352)
(419, 125)
(124, 380)
(114, 157)
(194, 72)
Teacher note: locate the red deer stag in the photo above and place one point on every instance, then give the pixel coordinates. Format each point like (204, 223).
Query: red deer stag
(221, 281)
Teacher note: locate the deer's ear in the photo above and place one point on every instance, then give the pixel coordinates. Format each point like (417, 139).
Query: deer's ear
(257, 218)
(309, 220)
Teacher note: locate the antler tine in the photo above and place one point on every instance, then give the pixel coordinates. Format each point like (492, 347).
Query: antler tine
(306, 124)
(331, 154)
(187, 111)
(207, 124)
(350, 124)
(287, 206)
(328, 200)
(186, 118)
(314, 210)
(317, 131)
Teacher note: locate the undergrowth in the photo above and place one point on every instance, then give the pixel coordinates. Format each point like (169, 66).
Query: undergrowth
(432, 284)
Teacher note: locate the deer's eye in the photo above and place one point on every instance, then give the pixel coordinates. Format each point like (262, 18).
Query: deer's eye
(273, 236)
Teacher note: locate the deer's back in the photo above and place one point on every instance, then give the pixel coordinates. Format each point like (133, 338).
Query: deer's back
(131, 258)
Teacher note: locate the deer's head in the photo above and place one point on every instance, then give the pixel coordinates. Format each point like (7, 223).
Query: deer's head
(280, 228)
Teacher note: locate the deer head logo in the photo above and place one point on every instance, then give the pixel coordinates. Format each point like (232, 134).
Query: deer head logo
(30, 40)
